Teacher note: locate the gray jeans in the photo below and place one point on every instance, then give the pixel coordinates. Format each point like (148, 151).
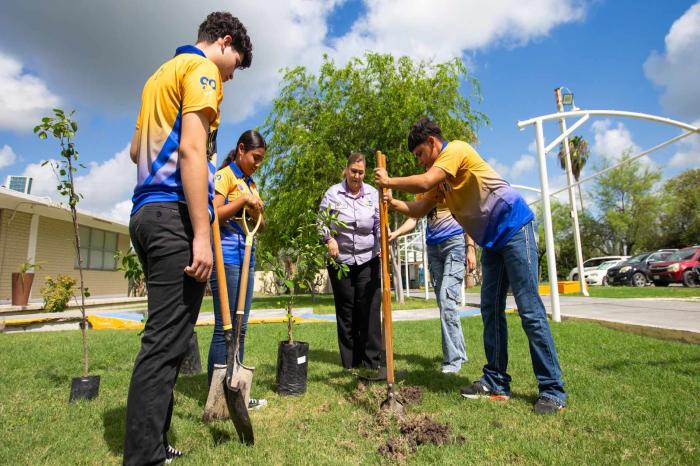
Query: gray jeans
(446, 263)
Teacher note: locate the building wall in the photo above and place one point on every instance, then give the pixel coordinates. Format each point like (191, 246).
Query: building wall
(56, 252)
(14, 240)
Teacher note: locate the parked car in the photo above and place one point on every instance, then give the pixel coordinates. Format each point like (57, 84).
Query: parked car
(591, 264)
(678, 268)
(635, 270)
(599, 276)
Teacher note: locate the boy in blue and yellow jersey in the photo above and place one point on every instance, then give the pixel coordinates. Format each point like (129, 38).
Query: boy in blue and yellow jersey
(448, 254)
(500, 221)
(170, 222)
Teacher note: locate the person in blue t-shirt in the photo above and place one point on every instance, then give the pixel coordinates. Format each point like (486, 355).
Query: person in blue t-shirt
(448, 254)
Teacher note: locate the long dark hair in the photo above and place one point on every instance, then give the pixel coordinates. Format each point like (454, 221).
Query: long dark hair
(250, 139)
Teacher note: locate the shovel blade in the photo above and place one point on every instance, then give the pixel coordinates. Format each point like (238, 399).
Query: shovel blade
(216, 401)
(241, 380)
(238, 411)
(392, 405)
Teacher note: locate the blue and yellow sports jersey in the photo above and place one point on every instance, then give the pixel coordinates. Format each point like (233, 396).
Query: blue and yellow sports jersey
(232, 183)
(441, 224)
(189, 82)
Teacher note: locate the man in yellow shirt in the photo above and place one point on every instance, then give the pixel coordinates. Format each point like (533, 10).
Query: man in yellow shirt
(500, 221)
(170, 222)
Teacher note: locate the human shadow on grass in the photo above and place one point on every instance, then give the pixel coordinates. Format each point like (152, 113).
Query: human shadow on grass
(194, 387)
(114, 423)
(692, 369)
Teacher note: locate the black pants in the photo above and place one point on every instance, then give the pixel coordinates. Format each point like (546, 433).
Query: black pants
(357, 303)
(162, 237)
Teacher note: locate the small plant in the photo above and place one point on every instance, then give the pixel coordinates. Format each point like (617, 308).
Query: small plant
(63, 128)
(296, 266)
(25, 267)
(58, 292)
(131, 266)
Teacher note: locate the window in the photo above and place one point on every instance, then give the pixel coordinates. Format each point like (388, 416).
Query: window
(97, 249)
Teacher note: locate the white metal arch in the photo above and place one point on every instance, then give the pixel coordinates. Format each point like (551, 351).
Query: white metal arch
(542, 150)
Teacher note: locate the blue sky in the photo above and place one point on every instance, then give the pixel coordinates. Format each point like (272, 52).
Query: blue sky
(624, 55)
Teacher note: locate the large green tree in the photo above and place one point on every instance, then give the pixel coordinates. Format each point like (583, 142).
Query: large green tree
(680, 213)
(366, 105)
(628, 204)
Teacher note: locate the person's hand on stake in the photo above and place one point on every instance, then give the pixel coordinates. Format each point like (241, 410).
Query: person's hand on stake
(381, 177)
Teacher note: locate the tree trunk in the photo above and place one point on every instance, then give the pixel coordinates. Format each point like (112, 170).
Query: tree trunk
(396, 272)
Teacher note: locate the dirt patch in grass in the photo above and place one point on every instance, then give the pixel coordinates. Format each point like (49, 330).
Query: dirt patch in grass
(410, 395)
(414, 432)
(405, 434)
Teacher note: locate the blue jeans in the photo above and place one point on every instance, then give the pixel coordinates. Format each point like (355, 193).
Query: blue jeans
(217, 349)
(446, 264)
(515, 265)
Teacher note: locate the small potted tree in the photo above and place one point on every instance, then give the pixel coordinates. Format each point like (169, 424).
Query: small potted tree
(295, 268)
(63, 128)
(22, 283)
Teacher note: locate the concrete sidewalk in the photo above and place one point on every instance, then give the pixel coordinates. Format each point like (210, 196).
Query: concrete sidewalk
(678, 315)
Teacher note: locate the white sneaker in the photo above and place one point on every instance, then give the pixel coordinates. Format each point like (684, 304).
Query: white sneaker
(449, 370)
(256, 403)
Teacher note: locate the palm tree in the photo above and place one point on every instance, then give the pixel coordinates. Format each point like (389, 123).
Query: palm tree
(579, 152)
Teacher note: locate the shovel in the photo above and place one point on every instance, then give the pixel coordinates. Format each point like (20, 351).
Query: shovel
(235, 379)
(390, 403)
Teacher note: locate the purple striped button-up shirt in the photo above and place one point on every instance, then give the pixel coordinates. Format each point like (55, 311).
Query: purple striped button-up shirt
(358, 242)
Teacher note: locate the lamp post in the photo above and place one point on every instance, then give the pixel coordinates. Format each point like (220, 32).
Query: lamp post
(567, 98)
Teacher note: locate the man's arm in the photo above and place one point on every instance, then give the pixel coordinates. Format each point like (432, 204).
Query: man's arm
(134, 148)
(405, 227)
(471, 253)
(195, 180)
(411, 184)
(415, 209)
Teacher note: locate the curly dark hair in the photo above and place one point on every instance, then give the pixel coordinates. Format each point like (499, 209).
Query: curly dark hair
(421, 130)
(222, 23)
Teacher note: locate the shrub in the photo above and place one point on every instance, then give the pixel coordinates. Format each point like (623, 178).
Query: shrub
(57, 292)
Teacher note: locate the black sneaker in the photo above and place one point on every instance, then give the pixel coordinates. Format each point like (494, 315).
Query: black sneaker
(171, 453)
(256, 403)
(546, 405)
(478, 390)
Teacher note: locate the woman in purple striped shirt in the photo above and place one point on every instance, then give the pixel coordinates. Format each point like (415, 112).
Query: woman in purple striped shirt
(356, 243)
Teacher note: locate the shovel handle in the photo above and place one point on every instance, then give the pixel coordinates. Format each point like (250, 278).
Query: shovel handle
(386, 285)
(221, 274)
(245, 266)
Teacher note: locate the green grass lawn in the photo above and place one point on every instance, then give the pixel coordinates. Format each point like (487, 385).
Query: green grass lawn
(632, 400)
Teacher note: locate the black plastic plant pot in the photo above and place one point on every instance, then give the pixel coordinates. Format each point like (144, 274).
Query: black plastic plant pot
(85, 388)
(192, 364)
(292, 367)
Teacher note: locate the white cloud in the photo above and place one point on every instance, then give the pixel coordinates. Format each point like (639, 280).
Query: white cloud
(24, 98)
(611, 141)
(677, 69)
(688, 155)
(501, 169)
(443, 29)
(108, 70)
(107, 187)
(121, 211)
(7, 156)
(523, 165)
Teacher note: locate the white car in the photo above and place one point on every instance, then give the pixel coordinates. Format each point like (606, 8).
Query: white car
(592, 263)
(599, 276)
